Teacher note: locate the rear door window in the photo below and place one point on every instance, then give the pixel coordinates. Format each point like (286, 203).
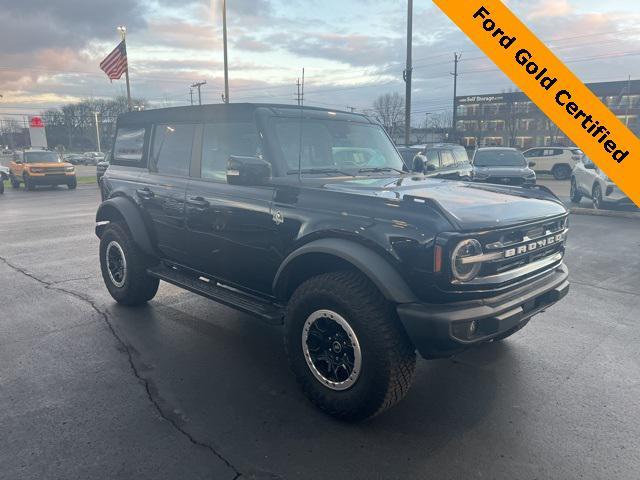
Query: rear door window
(172, 147)
(460, 155)
(446, 158)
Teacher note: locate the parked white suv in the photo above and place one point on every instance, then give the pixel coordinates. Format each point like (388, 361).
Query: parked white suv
(589, 181)
(557, 160)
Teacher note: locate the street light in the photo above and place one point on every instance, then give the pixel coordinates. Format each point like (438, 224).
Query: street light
(95, 115)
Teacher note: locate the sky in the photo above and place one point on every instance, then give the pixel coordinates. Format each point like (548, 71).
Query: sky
(352, 51)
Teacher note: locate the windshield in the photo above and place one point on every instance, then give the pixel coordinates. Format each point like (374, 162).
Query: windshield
(499, 158)
(335, 145)
(42, 157)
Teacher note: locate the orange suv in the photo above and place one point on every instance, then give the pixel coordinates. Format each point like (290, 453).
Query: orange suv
(41, 167)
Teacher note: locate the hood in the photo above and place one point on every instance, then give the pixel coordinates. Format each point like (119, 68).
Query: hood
(503, 171)
(467, 205)
(49, 165)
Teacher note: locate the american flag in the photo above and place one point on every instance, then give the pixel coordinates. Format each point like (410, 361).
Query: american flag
(115, 64)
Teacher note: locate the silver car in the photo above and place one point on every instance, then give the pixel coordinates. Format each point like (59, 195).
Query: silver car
(589, 181)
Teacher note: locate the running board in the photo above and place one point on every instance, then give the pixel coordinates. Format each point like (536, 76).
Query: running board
(263, 309)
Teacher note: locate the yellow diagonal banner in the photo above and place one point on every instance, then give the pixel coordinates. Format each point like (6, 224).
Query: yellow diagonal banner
(552, 87)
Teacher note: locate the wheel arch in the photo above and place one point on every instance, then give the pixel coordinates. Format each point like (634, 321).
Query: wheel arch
(330, 254)
(124, 210)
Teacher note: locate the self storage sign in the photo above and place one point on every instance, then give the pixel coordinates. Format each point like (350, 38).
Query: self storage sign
(552, 87)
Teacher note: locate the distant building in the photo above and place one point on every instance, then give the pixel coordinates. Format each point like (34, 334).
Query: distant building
(510, 119)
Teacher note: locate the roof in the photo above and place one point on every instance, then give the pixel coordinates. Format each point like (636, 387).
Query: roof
(498, 148)
(231, 111)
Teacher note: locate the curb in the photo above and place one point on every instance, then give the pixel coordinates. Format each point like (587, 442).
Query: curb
(604, 213)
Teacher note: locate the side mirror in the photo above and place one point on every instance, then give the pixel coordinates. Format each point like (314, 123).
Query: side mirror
(430, 167)
(590, 166)
(532, 164)
(248, 171)
(418, 164)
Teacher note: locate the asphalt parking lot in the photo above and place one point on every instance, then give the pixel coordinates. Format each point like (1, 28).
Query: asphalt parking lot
(185, 388)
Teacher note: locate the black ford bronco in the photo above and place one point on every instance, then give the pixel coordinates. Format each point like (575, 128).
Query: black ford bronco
(308, 217)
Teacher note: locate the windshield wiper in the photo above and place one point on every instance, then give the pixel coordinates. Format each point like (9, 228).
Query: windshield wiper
(321, 171)
(380, 169)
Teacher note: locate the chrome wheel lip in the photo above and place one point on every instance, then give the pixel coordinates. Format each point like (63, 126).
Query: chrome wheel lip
(111, 268)
(357, 353)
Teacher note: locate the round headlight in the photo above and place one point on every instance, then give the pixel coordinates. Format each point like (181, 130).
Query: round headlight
(462, 270)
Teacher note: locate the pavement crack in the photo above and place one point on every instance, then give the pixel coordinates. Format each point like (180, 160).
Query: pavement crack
(127, 349)
(607, 289)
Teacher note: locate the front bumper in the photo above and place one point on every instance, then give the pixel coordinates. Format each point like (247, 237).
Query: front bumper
(53, 179)
(442, 330)
(614, 196)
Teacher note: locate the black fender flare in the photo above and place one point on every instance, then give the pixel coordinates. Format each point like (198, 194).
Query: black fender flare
(132, 216)
(381, 273)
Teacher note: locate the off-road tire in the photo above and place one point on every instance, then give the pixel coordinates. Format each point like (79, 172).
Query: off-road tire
(1, 185)
(511, 331)
(72, 185)
(561, 172)
(138, 287)
(575, 194)
(596, 197)
(388, 356)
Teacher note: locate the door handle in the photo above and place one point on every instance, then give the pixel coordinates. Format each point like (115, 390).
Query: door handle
(198, 202)
(145, 193)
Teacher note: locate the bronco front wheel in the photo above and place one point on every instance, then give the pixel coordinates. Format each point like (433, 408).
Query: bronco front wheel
(346, 346)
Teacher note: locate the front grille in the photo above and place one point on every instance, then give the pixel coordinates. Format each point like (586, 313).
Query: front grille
(516, 181)
(54, 171)
(512, 254)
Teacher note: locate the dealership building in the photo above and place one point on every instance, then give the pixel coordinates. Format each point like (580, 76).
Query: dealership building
(510, 119)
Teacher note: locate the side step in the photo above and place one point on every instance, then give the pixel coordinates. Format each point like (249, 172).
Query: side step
(265, 310)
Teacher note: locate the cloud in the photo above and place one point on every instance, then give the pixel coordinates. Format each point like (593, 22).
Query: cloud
(550, 8)
(35, 24)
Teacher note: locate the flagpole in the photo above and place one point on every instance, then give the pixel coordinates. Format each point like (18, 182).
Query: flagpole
(123, 32)
(224, 41)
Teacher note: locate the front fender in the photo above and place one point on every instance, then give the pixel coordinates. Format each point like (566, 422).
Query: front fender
(372, 265)
(121, 208)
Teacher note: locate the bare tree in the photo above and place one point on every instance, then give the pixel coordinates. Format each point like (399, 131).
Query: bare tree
(73, 125)
(388, 109)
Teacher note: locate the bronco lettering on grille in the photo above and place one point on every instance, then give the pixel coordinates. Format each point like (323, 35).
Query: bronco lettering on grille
(529, 247)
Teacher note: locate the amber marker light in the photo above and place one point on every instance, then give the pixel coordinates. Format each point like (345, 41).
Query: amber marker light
(437, 258)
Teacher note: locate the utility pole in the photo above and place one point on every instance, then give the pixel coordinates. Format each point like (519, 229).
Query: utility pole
(224, 40)
(95, 115)
(298, 96)
(123, 32)
(407, 74)
(626, 115)
(191, 95)
(454, 118)
(426, 126)
(198, 85)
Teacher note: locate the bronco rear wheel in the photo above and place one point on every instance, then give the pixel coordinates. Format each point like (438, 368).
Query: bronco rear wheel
(346, 346)
(124, 267)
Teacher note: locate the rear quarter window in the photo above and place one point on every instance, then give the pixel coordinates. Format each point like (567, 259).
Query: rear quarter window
(128, 148)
